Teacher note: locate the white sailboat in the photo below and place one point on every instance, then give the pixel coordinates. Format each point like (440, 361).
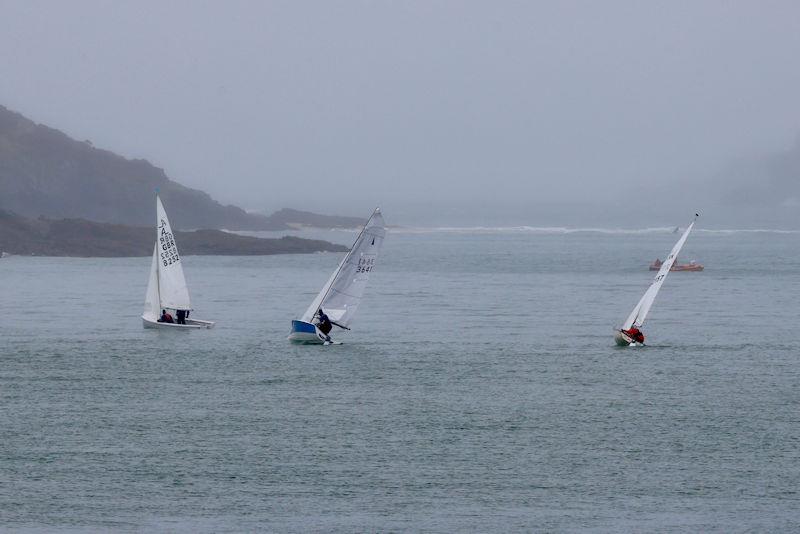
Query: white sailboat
(166, 289)
(341, 295)
(637, 316)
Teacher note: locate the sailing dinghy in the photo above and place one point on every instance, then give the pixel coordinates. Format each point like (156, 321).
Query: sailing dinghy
(341, 295)
(167, 289)
(636, 318)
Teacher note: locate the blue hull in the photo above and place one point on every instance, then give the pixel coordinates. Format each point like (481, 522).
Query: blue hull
(303, 332)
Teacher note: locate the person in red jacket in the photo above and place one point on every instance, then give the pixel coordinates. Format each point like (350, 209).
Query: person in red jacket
(165, 317)
(635, 334)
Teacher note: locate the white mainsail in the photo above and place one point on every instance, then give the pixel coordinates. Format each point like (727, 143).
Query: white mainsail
(152, 302)
(341, 295)
(639, 313)
(172, 289)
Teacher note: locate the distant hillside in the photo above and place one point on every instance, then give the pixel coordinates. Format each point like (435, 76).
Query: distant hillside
(77, 237)
(771, 180)
(44, 172)
(297, 218)
(755, 191)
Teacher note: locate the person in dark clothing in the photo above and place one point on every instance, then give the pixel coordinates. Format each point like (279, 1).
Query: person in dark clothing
(181, 316)
(635, 334)
(165, 317)
(324, 323)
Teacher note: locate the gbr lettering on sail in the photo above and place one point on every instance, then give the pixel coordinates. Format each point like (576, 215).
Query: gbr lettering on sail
(168, 252)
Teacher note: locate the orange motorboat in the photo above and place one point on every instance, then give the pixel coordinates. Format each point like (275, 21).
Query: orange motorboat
(691, 266)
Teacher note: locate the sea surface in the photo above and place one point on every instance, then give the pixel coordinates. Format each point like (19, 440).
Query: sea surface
(479, 391)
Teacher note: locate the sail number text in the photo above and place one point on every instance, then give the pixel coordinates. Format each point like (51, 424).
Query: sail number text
(365, 265)
(169, 252)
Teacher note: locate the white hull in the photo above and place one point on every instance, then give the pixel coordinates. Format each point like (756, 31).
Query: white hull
(190, 324)
(625, 341)
(305, 339)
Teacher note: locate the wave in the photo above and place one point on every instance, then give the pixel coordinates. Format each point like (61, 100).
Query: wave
(535, 230)
(747, 231)
(519, 230)
(560, 230)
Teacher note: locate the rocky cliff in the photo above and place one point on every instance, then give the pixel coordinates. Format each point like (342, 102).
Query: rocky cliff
(43, 172)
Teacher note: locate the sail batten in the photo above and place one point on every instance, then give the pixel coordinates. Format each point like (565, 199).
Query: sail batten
(342, 293)
(642, 308)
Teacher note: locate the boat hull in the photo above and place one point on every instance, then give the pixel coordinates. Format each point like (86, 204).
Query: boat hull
(624, 340)
(306, 333)
(692, 268)
(191, 324)
(688, 267)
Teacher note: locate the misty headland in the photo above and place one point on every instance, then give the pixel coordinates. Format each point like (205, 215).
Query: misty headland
(63, 197)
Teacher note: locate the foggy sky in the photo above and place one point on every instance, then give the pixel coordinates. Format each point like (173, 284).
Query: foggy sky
(472, 109)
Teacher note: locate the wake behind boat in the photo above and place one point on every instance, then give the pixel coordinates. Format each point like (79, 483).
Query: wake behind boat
(166, 288)
(629, 334)
(337, 302)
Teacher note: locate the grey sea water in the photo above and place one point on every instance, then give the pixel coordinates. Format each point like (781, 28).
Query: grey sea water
(480, 390)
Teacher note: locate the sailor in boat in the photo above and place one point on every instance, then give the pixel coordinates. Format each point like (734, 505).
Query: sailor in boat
(165, 317)
(324, 324)
(635, 334)
(181, 316)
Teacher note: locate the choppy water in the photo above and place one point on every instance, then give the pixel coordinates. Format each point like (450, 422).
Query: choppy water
(480, 390)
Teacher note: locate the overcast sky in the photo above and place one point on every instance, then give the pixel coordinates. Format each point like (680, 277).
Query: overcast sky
(467, 107)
